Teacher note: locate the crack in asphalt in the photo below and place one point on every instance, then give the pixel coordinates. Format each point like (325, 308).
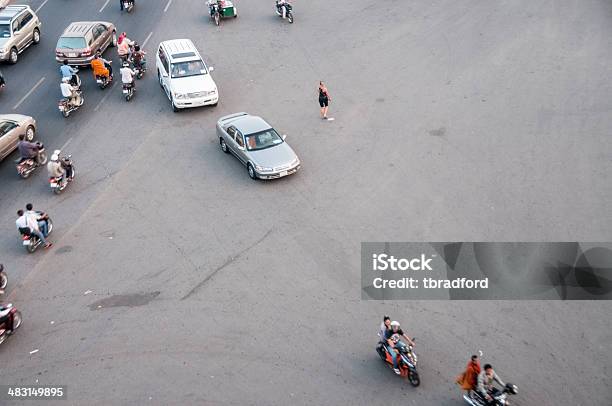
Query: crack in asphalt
(226, 263)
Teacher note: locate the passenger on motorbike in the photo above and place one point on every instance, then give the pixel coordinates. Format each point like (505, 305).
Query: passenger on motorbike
(58, 168)
(127, 75)
(485, 384)
(101, 67)
(27, 149)
(39, 217)
(69, 72)
(68, 91)
(389, 337)
(124, 45)
(384, 327)
(28, 225)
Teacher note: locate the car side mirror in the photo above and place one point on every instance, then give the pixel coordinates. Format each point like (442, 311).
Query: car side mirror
(284, 136)
(211, 68)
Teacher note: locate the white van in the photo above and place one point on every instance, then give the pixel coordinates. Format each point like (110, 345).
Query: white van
(184, 76)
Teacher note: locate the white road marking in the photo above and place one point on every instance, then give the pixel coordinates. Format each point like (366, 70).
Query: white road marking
(33, 351)
(66, 144)
(41, 6)
(29, 93)
(105, 96)
(147, 39)
(104, 6)
(167, 6)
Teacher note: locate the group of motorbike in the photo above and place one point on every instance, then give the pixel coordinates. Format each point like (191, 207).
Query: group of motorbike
(225, 9)
(402, 359)
(10, 317)
(69, 104)
(27, 165)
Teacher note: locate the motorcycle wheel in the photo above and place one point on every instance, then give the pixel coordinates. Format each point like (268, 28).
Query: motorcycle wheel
(16, 320)
(65, 113)
(43, 158)
(31, 247)
(2, 338)
(57, 190)
(25, 174)
(290, 18)
(414, 379)
(3, 280)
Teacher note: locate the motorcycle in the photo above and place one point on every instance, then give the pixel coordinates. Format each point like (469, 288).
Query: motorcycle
(215, 13)
(500, 397)
(103, 81)
(285, 10)
(25, 167)
(407, 361)
(10, 320)
(58, 184)
(140, 69)
(128, 91)
(3, 279)
(66, 107)
(222, 9)
(128, 5)
(30, 241)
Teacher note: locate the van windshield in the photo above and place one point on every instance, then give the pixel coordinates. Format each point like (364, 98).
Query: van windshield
(188, 68)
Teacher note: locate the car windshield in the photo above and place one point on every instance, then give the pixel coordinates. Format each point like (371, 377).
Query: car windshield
(262, 140)
(71, 43)
(188, 68)
(5, 31)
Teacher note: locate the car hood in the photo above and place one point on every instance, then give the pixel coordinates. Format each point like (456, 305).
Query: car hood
(279, 155)
(193, 84)
(3, 42)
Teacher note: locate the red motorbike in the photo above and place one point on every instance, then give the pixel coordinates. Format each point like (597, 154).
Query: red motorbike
(10, 320)
(406, 361)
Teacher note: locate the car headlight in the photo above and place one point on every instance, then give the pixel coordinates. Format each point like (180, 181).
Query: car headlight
(3, 50)
(295, 162)
(263, 168)
(211, 92)
(180, 95)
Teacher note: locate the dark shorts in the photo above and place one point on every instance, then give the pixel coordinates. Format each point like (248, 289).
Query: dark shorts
(323, 101)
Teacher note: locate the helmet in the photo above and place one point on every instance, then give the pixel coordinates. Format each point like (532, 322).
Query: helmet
(126, 64)
(395, 324)
(65, 79)
(55, 156)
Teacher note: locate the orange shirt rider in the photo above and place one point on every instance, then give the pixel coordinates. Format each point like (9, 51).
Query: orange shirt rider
(99, 66)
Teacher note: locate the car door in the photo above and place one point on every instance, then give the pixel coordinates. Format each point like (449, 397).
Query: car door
(17, 34)
(163, 68)
(98, 40)
(240, 148)
(25, 27)
(9, 133)
(104, 36)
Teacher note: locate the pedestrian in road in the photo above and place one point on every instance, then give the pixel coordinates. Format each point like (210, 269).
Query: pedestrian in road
(324, 99)
(468, 379)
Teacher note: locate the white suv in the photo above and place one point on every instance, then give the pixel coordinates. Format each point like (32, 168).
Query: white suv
(184, 76)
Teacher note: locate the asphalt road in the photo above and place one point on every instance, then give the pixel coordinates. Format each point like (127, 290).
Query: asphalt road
(466, 121)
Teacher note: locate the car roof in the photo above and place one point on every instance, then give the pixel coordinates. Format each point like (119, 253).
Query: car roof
(13, 117)
(181, 49)
(9, 12)
(250, 124)
(81, 28)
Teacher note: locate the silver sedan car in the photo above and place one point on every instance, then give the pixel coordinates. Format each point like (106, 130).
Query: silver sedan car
(11, 127)
(257, 145)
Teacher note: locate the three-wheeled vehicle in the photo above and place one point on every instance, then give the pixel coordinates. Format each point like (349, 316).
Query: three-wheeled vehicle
(222, 9)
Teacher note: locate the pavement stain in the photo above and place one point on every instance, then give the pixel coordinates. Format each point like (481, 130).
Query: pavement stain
(63, 250)
(439, 132)
(128, 300)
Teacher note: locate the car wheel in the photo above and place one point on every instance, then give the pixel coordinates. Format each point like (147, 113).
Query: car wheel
(13, 56)
(252, 173)
(223, 145)
(30, 133)
(114, 39)
(36, 36)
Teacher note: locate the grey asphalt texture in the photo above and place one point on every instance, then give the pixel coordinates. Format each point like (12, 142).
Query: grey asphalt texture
(455, 121)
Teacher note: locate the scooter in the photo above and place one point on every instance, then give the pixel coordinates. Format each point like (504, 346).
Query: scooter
(3, 279)
(30, 241)
(407, 361)
(103, 81)
(285, 10)
(128, 91)
(66, 107)
(500, 397)
(140, 69)
(58, 184)
(128, 5)
(27, 166)
(10, 321)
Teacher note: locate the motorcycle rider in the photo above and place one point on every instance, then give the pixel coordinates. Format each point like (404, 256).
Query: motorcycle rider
(389, 335)
(69, 72)
(485, 387)
(384, 326)
(27, 149)
(121, 3)
(127, 75)
(40, 218)
(101, 67)
(211, 6)
(68, 91)
(28, 223)
(280, 5)
(124, 46)
(139, 57)
(58, 168)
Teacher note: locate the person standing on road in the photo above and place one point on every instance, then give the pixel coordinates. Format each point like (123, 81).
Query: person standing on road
(324, 99)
